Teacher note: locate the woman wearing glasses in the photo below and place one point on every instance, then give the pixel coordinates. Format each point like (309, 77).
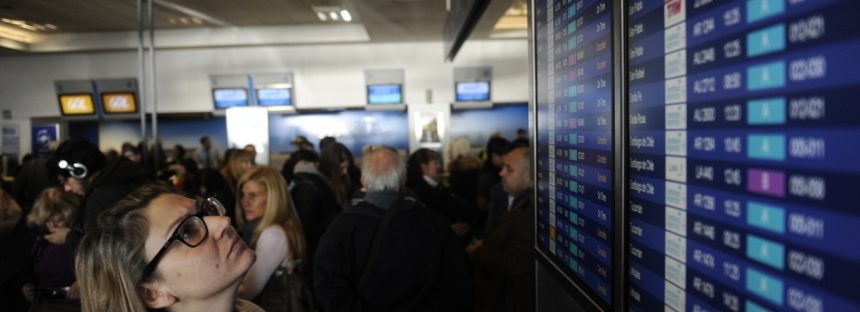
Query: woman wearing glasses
(157, 249)
(276, 235)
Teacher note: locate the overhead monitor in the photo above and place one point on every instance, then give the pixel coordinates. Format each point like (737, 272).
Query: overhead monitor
(119, 103)
(744, 156)
(77, 104)
(576, 228)
(472, 91)
(230, 97)
(280, 96)
(385, 94)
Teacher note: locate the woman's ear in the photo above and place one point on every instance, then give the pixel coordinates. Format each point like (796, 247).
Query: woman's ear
(154, 296)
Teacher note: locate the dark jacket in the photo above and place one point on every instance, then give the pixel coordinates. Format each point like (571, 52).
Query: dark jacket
(440, 199)
(316, 206)
(118, 178)
(417, 264)
(504, 264)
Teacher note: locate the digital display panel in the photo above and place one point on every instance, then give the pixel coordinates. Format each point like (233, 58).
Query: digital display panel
(743, 155)
(274, 96)
(230, 97)
(384, 94)
(473, 91)
(574, 99)
(78, 104)
(119, 102)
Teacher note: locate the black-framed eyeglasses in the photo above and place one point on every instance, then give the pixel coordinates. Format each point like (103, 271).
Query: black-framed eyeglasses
(192, 231)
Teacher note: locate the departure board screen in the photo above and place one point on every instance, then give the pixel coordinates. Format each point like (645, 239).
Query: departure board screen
(574, 97)
(744, 159)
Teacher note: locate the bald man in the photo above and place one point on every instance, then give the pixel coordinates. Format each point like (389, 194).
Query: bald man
(389, 252)
(503, 261)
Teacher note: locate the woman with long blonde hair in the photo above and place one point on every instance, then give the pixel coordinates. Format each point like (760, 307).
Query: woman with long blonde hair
(276, 233)
(157, 249)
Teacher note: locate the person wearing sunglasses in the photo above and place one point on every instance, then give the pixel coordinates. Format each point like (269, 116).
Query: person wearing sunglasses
(157, 249)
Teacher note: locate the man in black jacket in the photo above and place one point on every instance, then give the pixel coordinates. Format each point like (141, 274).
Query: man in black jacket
(84, 171)
(389, 252)
(314, 200)
(503, 261)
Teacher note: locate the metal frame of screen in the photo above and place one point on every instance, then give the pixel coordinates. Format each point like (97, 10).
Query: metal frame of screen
(619, 164)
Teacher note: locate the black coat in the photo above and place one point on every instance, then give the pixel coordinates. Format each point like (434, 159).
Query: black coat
(440, 199)
(418, 265)
(316, 206)
(119, 178)
(504, 264)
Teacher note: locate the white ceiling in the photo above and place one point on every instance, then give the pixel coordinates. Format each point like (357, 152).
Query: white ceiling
(381, 20)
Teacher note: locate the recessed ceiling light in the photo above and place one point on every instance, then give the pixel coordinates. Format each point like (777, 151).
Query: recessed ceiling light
(28, 25)
(345, 15)
(333, 15)
(322, 16)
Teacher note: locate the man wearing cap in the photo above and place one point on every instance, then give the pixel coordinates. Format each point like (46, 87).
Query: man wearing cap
(302, 143)
(84, 171)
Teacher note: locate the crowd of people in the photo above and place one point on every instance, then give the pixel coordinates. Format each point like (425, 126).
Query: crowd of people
(142, 229)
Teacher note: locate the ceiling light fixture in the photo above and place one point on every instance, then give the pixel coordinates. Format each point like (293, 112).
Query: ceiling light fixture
(322, 16)
(333, 15)
(32, 26)
(345, 15)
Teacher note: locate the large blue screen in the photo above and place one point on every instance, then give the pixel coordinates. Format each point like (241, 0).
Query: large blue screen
(744, 156)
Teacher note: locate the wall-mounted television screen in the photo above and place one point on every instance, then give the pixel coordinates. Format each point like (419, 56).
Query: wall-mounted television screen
(274, 96)
(473, 91)
(77, 104)
(230, 97)
(119, 102)
(385, 94)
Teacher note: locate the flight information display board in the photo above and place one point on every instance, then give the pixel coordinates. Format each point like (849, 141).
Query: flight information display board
(574, 99)
(744, 155)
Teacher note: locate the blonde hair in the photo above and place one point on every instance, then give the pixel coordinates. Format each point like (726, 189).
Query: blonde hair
(459, 148)
(53, 201)
(110, 259)
(280, 210)
(234, 169)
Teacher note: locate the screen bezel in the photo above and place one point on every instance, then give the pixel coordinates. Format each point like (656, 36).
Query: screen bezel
(458, 95)
(399, 88)
(215, 100)
(107, 111)
(87, 94)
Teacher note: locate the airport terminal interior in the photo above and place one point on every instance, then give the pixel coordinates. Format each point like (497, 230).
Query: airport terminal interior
(579, 155)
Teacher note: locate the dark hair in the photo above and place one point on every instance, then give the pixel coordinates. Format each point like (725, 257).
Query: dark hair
(329, 165)
(288, 170)
(180, 151)
(498, 146)
(518, 143)
(326, 141)
(413, 166)
(78, 151)
(203, 138)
